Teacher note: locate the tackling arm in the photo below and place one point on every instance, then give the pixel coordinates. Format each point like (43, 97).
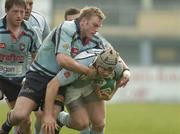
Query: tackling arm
(71, 64)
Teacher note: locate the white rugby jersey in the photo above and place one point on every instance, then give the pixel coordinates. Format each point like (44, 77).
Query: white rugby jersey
(86, 58)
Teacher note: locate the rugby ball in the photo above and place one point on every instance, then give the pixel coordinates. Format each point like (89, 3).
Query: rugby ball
(105, 88)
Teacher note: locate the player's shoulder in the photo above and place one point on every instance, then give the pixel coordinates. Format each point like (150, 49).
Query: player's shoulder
(69, 27)
(35, 16)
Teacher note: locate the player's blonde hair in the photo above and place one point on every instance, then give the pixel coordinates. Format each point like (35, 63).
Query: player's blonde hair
(88, 12)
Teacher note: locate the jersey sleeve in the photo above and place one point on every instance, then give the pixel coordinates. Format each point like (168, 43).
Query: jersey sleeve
(66, 77)
(64, 35)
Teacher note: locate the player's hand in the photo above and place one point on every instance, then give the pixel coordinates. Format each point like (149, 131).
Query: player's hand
(101, 94)
(49, 124)
(92, 73)
(124, 79)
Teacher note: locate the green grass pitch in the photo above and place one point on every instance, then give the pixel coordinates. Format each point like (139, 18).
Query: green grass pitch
(133, 119)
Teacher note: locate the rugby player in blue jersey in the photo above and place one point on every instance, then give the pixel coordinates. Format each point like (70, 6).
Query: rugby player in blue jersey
(57, 52)
(17, 40)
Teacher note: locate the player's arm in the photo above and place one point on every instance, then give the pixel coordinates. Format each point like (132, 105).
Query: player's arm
(125, 74)
(63, 52)
(71, 64)
(49, 122)
(65, 77)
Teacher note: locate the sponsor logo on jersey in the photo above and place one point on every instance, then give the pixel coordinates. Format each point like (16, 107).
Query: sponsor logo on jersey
(11, 57)
(11, 69)
(22, 46)
(2, 45)
(67, 74)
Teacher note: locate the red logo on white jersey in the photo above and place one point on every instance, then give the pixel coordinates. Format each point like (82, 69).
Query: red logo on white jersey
(2, 45)
(67, 74)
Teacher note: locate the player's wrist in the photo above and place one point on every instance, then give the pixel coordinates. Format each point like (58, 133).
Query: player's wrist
(126, 73)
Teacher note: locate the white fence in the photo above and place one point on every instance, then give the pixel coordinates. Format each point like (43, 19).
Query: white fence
(151, 84)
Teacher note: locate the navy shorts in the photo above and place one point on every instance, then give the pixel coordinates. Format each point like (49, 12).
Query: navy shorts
(11, 87)
(35, 86)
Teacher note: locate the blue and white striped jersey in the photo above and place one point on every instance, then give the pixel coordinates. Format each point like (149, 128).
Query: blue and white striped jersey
(63, 39)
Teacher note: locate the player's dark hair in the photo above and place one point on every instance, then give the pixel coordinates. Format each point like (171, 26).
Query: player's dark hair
(71, 11)
(9, 3)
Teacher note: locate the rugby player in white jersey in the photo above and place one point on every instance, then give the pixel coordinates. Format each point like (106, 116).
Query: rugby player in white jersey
(37, 21)
(81, 101)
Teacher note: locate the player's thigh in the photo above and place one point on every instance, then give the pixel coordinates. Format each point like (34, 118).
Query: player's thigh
(78, 112)
(95, 108)
(24, 106)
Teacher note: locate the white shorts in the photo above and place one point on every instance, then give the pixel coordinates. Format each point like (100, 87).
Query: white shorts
(74, 93)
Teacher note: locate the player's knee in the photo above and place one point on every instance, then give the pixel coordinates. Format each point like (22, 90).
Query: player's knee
(99, 125)
(19, 115)
(81, 124)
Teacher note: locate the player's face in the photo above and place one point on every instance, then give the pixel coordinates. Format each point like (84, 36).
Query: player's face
(104, 73)
(15, 15)
(72, 17)
(91, 26)
(29, 6)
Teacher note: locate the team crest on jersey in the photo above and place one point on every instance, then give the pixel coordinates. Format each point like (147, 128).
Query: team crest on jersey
(2, 45)
(74, 51)
(22, 46)
(65, 46)
(67, 74)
